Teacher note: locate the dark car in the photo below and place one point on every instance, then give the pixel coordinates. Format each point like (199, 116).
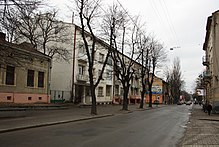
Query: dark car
(179, 103)
(188, 103)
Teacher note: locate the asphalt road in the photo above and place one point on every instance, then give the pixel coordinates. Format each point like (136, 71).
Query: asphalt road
(161, 127)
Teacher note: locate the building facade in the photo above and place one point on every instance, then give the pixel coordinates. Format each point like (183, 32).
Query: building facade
(158, 91)
(70, 79)
(210, 61)
(24, 73)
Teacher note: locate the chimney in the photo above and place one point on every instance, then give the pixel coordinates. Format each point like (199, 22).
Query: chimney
(2, 37)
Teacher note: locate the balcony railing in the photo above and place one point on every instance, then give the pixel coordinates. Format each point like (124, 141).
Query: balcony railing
(206, 74)
(82, 77)
(82, 57)
(205, 61)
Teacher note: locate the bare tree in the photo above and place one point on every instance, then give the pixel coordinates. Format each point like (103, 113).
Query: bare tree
(186, 95)
(24, 22)
(13, 54)
(53, 34)
(88, 11)
(174, 79)
(156, 58)
(122, 38)
(11, 12)
(144, 59)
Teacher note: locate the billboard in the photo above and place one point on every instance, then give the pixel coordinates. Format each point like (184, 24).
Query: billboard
(156, 90)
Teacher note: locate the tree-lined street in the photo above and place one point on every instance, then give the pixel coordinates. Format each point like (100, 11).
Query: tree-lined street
(156, 127)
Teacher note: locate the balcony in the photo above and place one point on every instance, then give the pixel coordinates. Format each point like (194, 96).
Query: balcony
(82, 57)
(80, 77)
(205, 61)
(117, 82)
(207, 76)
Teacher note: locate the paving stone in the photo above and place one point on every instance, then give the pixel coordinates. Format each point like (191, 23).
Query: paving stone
(202, 130)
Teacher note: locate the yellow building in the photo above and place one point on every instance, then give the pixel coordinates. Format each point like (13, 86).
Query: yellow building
(157, 91)
(24, 73)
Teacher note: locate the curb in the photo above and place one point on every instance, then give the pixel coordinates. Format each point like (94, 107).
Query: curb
(53, 123)
(69, 121)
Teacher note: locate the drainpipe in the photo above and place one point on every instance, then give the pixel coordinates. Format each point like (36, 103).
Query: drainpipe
(73, 67)
(49, 79)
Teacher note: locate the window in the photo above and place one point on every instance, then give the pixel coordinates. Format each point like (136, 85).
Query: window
(8, 98)
(40, 98)
(82, 49)
(29, 98)
(10, 75)
(101, 57)
(109, 61)
(108, 90)
(88, 92)
(81, 70)
(40, 79)
(30, 78)
(121, 91)
(109, 74)
(117, 90)
(100, 91)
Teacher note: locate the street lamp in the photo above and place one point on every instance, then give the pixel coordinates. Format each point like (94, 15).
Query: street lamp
(174, 47)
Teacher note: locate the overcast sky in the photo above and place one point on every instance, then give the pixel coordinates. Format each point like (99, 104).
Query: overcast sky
(176, 23)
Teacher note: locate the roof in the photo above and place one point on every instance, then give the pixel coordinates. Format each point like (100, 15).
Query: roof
(24, 47)
(208, 28)
(104, 43)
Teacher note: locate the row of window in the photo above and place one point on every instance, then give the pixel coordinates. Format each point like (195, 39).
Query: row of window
(10, 77)
(101, 56)
(9, 98)
(108, 91)
(81, 70)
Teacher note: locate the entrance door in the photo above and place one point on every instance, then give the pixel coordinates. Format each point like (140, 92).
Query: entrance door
(79, 93)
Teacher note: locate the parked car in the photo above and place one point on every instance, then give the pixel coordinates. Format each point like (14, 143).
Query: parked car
(188, 102)
(179, 103)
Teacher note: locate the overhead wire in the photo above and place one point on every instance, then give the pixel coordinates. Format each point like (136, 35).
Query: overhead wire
(161, 20)
(166, 11)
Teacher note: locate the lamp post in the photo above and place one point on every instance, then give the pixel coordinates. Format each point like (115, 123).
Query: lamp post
(175, 47)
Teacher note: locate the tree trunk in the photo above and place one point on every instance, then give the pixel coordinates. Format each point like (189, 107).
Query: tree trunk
(142, 100)
(125, 98)
(150, 99)
(93, 106)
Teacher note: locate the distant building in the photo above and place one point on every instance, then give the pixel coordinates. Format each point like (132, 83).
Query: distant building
(211, 61)
(160, 92)
(24, 73)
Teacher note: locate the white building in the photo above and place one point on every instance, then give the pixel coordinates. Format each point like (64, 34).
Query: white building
(70, 80)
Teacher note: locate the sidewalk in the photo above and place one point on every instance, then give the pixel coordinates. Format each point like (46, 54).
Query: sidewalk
(202, 129)
(72, 113)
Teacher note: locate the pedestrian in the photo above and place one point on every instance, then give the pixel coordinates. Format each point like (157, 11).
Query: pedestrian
(204, 106)
(209, 108)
